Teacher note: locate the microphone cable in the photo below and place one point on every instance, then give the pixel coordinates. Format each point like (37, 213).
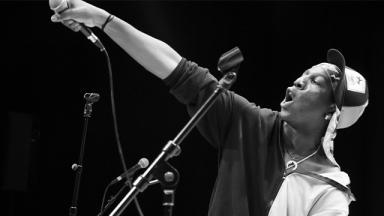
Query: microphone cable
(104, 195)
(115, 127)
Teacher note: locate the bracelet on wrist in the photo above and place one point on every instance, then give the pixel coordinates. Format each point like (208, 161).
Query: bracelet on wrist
(109, 19)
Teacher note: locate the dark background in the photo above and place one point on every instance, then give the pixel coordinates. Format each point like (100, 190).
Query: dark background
(46, 69)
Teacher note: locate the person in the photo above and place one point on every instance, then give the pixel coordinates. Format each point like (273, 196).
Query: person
(271, 163)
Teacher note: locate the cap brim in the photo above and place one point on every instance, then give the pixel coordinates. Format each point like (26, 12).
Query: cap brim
(335, 57)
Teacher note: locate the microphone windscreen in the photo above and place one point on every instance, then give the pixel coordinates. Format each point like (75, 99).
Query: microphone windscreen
(143, 162)
(58, 5)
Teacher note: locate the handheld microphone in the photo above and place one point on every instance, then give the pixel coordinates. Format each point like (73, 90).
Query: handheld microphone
(143, 163)
(59, 6)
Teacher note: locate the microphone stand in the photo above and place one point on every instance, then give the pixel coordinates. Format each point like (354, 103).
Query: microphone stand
(90, 99)
(110, 202)
(169, 190)
(168, 201)
(229, 64)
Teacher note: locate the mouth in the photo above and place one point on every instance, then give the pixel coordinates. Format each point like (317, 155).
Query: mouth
(288, 98)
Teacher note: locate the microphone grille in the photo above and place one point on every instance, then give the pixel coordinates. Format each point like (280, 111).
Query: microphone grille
(143, 162)
(58, 5)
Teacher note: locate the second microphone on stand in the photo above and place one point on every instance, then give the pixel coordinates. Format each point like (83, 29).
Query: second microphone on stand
(143, 163)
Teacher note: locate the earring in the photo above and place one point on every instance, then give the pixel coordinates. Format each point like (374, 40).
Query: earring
(327, 117)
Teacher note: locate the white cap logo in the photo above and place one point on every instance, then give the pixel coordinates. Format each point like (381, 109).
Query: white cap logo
(355, 82)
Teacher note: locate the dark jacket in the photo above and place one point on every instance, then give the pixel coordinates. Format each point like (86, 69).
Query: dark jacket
(248, 140)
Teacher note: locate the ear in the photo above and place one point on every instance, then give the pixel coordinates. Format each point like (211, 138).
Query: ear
(331, 109)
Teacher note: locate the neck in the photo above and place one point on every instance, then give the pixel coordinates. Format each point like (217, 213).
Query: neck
(300, 142)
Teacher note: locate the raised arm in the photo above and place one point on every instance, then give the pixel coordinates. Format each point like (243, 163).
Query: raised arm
(154, 55)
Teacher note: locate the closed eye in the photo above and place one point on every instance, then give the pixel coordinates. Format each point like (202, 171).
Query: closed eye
(313, 80)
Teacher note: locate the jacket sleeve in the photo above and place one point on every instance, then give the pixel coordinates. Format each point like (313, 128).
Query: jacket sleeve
(192, 85)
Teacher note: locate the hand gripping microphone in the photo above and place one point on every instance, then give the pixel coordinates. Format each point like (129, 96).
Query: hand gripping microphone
(59, 6)
(143, 163)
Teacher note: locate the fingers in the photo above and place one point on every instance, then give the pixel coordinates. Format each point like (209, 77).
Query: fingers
(60, 17)
(73, 25)
(66, 15)
(55, 18)
(80, 12)
(69, 18)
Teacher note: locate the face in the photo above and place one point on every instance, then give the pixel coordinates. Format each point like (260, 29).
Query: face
(309, 99)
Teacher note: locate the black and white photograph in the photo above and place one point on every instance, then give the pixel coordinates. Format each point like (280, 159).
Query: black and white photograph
(190, 107)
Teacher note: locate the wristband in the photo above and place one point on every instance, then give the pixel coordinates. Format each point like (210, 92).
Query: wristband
(109, 19)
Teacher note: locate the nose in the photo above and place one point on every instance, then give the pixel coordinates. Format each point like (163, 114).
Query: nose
(299, 83)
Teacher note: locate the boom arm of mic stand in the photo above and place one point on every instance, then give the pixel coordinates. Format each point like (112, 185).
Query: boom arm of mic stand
(172, 148)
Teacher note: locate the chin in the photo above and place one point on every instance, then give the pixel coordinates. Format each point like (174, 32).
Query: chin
(284, 115)
(287, 117)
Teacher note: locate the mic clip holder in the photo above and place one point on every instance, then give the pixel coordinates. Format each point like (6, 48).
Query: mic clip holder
(90, 98)
(228, 64)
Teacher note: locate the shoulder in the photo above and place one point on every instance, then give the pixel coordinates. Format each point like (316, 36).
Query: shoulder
(335, 196)
(321, 198)
(331, 202)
